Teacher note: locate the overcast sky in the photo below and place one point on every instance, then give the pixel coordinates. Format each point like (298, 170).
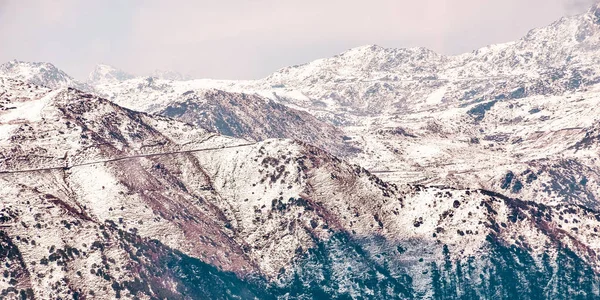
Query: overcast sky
(245, 39)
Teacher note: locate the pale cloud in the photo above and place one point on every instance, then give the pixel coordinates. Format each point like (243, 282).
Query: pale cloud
(252, 38)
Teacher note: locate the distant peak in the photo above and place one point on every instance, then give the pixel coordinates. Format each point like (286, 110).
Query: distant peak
(105, 67)
(170, 75)
(106, 73)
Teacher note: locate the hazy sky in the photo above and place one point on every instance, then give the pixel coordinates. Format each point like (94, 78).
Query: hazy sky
(244, 39)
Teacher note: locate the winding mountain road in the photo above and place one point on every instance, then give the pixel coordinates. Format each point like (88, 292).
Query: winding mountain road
(122, 158)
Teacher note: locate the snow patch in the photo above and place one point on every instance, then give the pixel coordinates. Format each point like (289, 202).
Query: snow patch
(29, 111)
(437, 96)
(6, 131)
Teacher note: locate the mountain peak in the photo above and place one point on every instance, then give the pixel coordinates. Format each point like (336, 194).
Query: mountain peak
(25, 68)
(39, 73)
(105, 73)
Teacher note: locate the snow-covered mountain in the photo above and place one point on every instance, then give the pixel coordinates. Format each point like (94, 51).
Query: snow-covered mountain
(102, 200)
(421, 117)
(470, 176)
(238, 114)
(373, 80)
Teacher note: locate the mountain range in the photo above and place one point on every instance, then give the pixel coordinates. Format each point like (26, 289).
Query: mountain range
(374, 174)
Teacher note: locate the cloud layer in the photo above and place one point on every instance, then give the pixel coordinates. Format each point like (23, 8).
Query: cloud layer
(242, 39)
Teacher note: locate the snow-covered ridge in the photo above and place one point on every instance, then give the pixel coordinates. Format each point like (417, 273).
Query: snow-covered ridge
(106, 74)
(38, 73)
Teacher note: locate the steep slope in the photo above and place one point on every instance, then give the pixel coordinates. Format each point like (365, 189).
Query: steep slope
(405, 231)
(254, 118)
(569, 44)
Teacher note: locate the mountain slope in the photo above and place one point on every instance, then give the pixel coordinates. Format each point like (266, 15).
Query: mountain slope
(254, 118)
(242, 115)
(287, 219)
